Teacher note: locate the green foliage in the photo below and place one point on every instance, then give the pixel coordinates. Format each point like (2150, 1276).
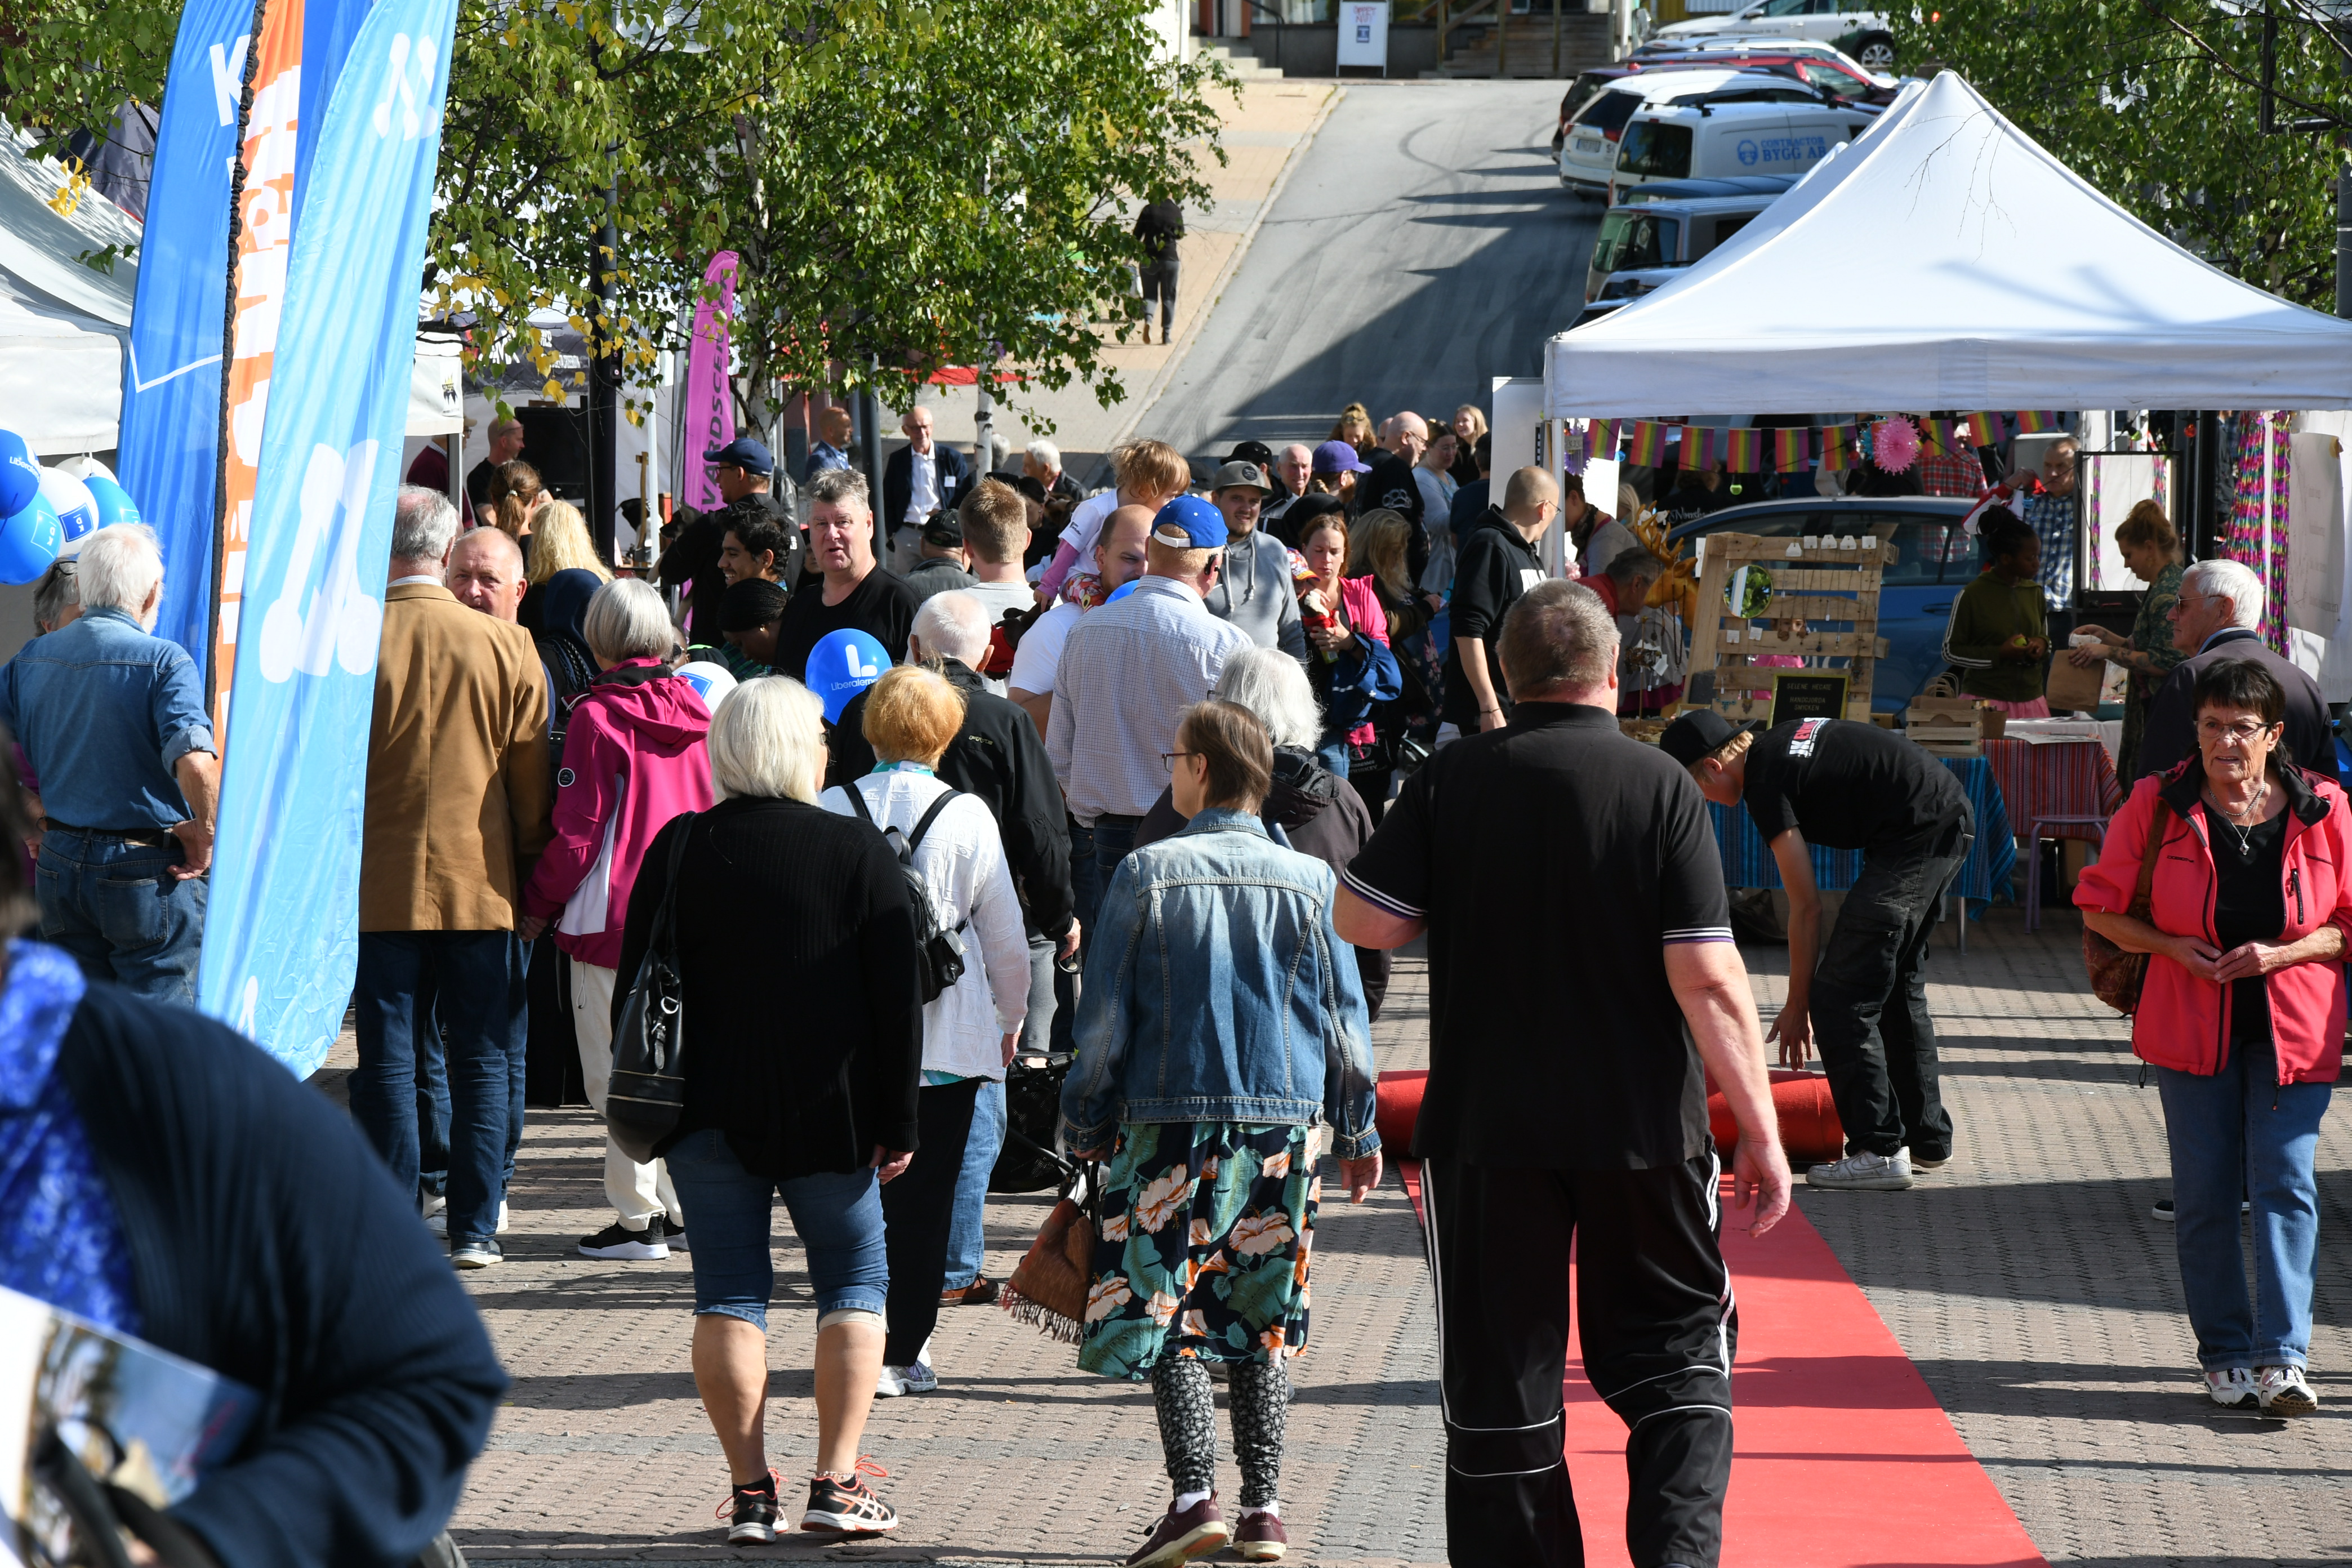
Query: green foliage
(2155, 102)
(67, 64)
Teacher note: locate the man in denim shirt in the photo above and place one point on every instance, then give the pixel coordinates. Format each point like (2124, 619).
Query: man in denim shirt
(113, 721)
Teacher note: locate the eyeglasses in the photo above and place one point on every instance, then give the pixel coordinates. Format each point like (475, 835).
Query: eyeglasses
(1167, 760)
(2212, 732)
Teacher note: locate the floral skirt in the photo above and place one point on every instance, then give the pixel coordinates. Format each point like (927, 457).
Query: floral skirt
(1203, 1246)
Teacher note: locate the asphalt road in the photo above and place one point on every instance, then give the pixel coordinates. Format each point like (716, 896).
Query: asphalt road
(1422, 247)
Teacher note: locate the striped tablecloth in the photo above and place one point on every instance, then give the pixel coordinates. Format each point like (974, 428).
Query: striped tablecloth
(2055, 778)
(1747, 863)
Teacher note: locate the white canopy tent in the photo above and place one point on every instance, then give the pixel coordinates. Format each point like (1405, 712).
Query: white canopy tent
(62, 322)
(1945, 260)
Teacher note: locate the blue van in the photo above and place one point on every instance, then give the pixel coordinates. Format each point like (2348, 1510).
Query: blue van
(1933, 561)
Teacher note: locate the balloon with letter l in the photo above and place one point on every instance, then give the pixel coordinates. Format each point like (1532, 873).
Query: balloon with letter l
(842, 665)
(20, 473)
(29, 540)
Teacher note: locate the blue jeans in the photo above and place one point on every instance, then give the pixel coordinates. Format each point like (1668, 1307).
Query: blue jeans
(967, 1232)
(117, 907)
(432, 1105)
(837, 1216)
(474, 980)
(2242, 1134)
(1332, 755)
(1094, 853)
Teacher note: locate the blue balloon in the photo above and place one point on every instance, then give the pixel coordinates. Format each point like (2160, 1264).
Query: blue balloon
(842, 665)
(20, 475)
(28, 541)
(1122, 591)
(114, 502)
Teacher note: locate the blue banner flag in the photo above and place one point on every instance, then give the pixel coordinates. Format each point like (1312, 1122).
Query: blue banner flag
(169, 448)
(282, 926)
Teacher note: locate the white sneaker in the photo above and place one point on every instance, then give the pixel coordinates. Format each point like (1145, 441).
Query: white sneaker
(918, 1378)
(503, 1227)
(2280, 1391)
(891, 1383)
(434, 1204)
(1865, 1172)
(2231, 1388)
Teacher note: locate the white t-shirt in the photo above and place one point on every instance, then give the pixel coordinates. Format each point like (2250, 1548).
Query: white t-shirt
(1086, 526)
(1040, 653)
(997, 598)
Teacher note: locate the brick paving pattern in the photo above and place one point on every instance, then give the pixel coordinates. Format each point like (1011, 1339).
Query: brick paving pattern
(2027, 1281)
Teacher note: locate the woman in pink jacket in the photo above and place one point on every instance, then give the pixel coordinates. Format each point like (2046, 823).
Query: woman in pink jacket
(2242, 1016)
(634, 758)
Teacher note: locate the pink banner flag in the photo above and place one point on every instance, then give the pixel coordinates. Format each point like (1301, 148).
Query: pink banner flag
(709, 416)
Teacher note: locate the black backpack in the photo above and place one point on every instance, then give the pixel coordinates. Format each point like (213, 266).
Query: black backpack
(938, 951)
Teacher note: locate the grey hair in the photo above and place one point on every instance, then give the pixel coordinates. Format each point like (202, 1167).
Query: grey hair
(1271, 684)
(955, 626)
(2229, 580)
(842, 487)
(1559, 637)
(626, 619)
(59, 585)
(767, 740)
(1046, 454)
(423, 524)
(119, 566)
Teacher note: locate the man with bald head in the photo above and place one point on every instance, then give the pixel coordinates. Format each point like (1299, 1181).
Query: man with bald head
(1391, 483)
(1120, 557)
(1498, 564)
(486, 572)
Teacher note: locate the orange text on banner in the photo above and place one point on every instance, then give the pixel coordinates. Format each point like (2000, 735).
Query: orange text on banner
(265, 238)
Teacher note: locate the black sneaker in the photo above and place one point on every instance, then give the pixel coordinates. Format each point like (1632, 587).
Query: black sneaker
(848, 1506)
(751, 1510)
(617, 1240)
(673, 1232)
(482, 1254)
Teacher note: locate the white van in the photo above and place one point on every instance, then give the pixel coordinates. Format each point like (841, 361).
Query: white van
(1588, 155)
(1711, 139)
(1640, 248)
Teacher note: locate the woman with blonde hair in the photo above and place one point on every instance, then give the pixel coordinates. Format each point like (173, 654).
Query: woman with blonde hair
(2152, 549)
(1376, 556)
(516, 494)
(559, 542)
(970, 1026)
(1143, 473)
(1354, 426)
(1469, 424)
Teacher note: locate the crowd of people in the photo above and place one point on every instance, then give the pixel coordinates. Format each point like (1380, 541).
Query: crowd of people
(1138, 794)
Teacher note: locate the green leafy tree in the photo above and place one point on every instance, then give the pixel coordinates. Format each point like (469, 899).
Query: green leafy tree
(2158, 102)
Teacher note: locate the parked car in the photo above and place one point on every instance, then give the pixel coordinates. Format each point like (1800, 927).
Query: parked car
(1827, 70)
(1935, 559)
(1642, 245)
(1784, 130)
(1694, 190)
(1862, 34)
(1588, 156)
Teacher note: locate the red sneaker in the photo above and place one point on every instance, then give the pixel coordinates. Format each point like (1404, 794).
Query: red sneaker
(1181, 1537)
(1260, 1538)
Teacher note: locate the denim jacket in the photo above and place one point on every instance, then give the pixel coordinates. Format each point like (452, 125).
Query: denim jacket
(1216, 991)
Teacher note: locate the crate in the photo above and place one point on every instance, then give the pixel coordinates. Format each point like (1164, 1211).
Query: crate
(1817, 585)
(1952, 726)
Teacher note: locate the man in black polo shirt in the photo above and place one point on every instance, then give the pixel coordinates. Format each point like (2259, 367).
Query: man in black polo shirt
(846, 589)
(1572, 894)
(1852, 785)
(1497, 563)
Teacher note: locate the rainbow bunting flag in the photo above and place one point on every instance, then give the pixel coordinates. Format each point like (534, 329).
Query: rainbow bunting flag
(1601, 440)
(2033, 422)
(1837, 446)
(1935, 438)
(1739, 450)
(1698, 448)
(1792, 450)
(1648, 444)
(1983, 430)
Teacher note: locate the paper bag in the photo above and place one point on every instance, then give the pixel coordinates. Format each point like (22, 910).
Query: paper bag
(2070, 687)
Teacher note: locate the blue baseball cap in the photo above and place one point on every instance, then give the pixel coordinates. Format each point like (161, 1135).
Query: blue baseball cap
(1339, 458)
(745, 454)
(1189, 522)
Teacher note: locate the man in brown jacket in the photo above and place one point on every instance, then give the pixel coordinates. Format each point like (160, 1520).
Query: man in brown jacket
(457, 810)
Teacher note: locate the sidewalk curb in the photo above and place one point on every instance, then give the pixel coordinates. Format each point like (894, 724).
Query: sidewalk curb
(1150, 395)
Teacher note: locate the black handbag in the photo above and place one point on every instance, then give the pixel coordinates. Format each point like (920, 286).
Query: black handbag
(647, 1094)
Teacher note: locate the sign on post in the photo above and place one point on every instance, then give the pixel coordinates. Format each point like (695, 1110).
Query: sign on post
(1364, 33)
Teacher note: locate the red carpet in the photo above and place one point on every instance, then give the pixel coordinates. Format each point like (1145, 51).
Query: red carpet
(1843, 1458)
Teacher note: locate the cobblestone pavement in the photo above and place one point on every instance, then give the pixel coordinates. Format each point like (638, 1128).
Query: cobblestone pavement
(2028, 1281)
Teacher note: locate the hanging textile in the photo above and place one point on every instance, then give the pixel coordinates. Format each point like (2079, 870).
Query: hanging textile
(2257, 535)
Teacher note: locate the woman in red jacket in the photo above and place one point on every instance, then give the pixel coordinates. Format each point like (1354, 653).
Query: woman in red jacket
(2243, 1015)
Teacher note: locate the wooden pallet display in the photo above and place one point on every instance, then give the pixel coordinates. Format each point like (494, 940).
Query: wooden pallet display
(1812, 585)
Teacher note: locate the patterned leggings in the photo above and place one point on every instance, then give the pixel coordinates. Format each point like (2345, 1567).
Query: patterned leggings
(1188, 1425)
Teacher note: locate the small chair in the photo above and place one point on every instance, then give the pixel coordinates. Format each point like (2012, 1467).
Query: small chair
(2034, 859)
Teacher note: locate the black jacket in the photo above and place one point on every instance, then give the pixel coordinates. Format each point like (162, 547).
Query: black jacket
(1321, 814)
(997, 756)
(1390, 484)
(796, 962)
(898, 485)
(268, 1243)
(2171, 733)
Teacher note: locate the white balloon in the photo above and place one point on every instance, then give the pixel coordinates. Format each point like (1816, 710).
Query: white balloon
(77, 507)
(711, 682)
(84, 466)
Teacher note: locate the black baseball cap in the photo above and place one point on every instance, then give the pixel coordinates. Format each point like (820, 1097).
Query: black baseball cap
(1700, 734)
(943, 529)
(1256, 452)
